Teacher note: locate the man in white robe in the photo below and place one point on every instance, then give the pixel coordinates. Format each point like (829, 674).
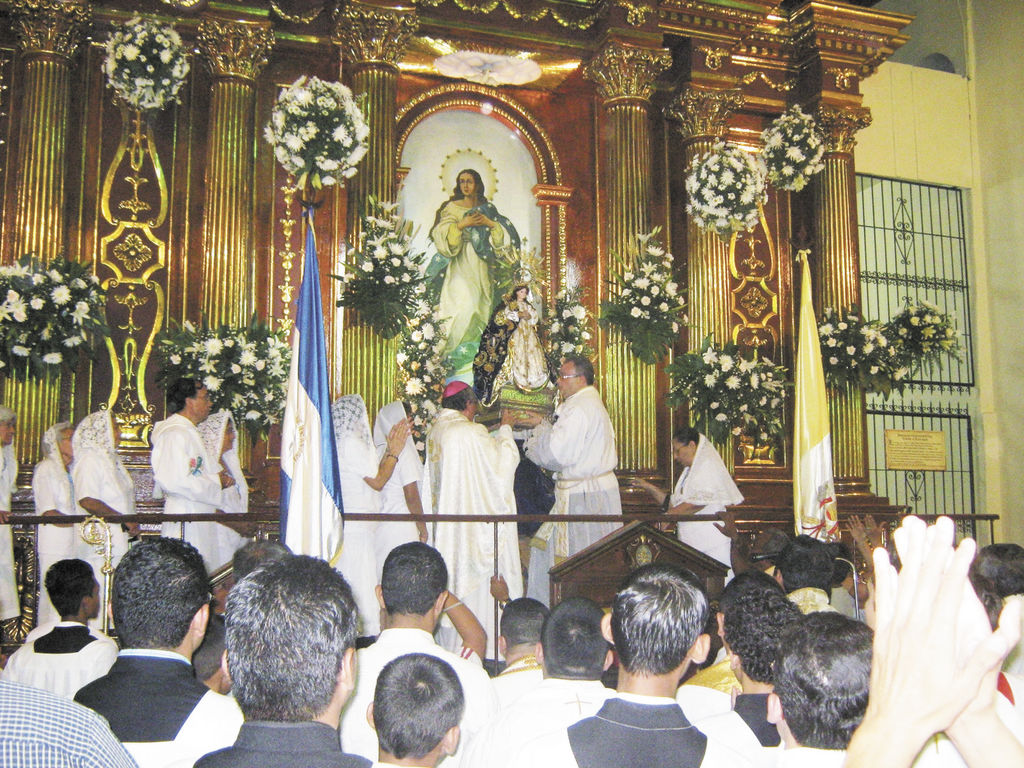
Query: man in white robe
(9, 605)
(471, 473)
(183, 473)
(579, 446)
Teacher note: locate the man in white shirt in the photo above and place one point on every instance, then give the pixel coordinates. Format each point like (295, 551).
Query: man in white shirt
(656, 625)
(472, 473)
(822, 674)
(150, 696)
(417, 705)
(183, 474)
(62, 656)
(574, 655)
(412, 593)
(579, 446)
(521, 622)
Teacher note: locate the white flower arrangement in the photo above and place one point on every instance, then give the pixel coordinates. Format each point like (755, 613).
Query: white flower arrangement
(793, 150)
(146, 63)
(48, 315)
(568, 332)
(728, 394)
(725, 189)
(858, 352)
(244, 369)
(318, 131)
(421, 366)
(923, 333)
(647, 310)
(382, 280)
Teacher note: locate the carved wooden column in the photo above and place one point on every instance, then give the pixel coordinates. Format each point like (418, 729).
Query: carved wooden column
(49, 33)
(624, 74)
(372, 39)
(235, 53)
(702, 117)
(838, 281)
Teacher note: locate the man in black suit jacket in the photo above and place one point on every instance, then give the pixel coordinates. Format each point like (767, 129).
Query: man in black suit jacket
(151, 697)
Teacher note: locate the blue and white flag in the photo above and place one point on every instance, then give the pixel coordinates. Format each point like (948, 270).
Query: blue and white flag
(311, 508)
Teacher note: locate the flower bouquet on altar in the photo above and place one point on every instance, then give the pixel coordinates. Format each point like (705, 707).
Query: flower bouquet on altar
(923, 333)
(856, 351)
(569, 327)
(318, 131)
(725, 189)
(646, 309)
(793, 150)
(244, 369)
(421, 367)
(48, 316)
(382, 279)
(145, 63)
(727, 394)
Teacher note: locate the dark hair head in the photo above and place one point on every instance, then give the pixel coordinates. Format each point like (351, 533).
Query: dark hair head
(158, 587)
(840, 569)
(822, 674)
(574, 647)
(686, 435)
(289, 625)
(657, 616)
(988, 596)
(805, 562)
(460, 400)
(417, 700)
(414, 576)
(480, 190)
(68, 583)
(179, 391)
(522, 620)
(255, 553)
(582, 366)
(206, 659)
(1003, 565)
(755, 612)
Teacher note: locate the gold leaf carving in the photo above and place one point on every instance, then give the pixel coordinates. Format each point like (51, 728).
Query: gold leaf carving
(754, 301)
(840, 125)
(636, 13)
(627, 71)
(50, 26)
(844, 78)
(750, 77)
(714, 58)
(367, 34)
(133, 252)
(703, 111)
(235, 48)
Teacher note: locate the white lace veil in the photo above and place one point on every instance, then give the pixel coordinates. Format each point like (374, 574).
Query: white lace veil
(352, 432)
(709, 482)
(95, 434)
(51, 441)
(211, 431)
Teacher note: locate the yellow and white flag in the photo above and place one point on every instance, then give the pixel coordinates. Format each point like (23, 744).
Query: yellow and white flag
(814, 495)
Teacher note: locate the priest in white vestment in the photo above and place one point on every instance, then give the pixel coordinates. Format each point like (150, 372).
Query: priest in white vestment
(183, 474)
(9, 605)
(579, 446)
(471, 473)
(704, 487)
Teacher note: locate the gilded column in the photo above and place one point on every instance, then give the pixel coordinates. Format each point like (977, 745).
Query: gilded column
(838, 280)
(235, 53)
(372, 39)
(702, 117)
(49, 33)
(624, 75)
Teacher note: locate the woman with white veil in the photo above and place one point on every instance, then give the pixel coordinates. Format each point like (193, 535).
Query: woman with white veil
(402, 493)
(363, 475)
(102, 486)
(53, 496)
(220, 440)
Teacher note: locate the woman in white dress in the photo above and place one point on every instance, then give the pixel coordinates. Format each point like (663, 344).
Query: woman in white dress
(102, 487)
(402, 493)
(53, 496)
(220, 439)
(704, 487)
(363, 475)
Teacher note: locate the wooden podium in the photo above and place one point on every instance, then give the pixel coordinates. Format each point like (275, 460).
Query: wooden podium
(598, 571)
